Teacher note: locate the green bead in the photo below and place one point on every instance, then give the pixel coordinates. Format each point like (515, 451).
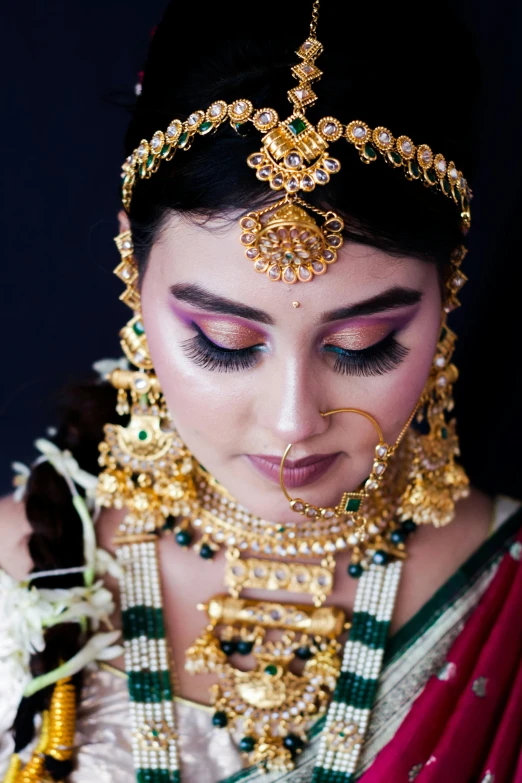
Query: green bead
(206, 552)
(355, 570)
(244, 647)
(247, 744)
(409, 526)
(293, 742)
(182, 141)
(369, 152)
(303, 653)
(205, 127)
(271, 669)
(352, 504)
(444, 433)
(219, 719)
(228, 647)
(139, 328)
(297, 126)
(183, 537)
(380, 557)
(397, 537)
(143, 434)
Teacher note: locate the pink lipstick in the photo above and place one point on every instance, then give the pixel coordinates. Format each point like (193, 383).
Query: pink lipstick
(297, 473)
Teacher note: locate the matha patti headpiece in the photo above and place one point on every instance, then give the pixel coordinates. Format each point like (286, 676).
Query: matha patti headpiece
(284, 240)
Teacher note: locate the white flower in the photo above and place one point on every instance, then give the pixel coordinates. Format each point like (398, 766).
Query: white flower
(104, 367)
(65, 464)
(22, 473)
(22, 615)
(75, 603)
(107, 564)
(100, 647)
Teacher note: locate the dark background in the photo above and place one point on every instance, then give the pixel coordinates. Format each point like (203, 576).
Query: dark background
(68, 68)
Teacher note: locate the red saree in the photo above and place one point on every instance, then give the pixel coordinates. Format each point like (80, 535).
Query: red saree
(466, 725)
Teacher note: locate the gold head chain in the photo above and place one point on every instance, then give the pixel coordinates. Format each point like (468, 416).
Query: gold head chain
(284, 241)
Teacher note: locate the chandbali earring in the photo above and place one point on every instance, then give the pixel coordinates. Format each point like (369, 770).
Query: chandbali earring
(147, 468)
(436, 480)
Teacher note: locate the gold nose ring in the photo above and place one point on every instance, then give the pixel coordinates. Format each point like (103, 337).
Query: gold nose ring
(350, 501)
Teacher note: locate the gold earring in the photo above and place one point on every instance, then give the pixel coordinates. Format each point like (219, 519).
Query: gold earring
(147, 468)
(436, 481)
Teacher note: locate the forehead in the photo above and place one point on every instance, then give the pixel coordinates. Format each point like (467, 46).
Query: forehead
(210, 254)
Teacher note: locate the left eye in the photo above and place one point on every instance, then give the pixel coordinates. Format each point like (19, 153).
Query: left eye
(210, 356)
(377, 359)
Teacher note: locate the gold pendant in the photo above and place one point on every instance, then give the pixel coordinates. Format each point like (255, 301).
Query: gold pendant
(272, 704)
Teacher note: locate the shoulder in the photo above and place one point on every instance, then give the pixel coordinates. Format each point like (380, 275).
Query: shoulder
(14, 535)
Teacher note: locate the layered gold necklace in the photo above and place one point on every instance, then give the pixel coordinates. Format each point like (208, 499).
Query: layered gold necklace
(295, 647)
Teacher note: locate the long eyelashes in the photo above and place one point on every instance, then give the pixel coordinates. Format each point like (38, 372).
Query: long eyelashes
(378, 359)
(210, 356)
(375, 360)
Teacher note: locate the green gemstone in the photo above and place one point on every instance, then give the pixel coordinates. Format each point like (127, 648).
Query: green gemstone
(150, 161)
(219, 719)
(280, 530)
(352, 504)
(143, 170)
(143, 435)
(206, 552)
(446, 187)
(444, 433)
(443, 333)
(342, 734)
(247, 744)
(289, 256)
(183, 139)
(431, 177)
(369, 152)
(297, 126)
(139, 328)
(205, 127)
(165, 150)
(414, 169)
(244, 647)
(271, 669)
(395, 157)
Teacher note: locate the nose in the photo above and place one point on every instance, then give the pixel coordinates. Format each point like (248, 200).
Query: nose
(294, 403)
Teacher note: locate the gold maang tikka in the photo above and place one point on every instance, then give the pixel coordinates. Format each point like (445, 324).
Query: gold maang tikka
(285, 241)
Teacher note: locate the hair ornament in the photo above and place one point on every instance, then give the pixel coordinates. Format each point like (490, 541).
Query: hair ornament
(284, 241)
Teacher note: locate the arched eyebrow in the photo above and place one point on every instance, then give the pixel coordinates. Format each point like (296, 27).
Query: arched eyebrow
(199, 297)
(391, 299)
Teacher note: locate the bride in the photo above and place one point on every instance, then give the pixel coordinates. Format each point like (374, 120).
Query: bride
(250, 549)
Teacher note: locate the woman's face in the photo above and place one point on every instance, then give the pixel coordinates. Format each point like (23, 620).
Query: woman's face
(247, 365)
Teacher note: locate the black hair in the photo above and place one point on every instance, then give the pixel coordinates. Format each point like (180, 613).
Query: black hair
(381, 69)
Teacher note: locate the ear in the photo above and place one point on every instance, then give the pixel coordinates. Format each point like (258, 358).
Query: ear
(123, 220)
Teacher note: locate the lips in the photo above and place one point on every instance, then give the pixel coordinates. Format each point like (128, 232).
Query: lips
(296, 473)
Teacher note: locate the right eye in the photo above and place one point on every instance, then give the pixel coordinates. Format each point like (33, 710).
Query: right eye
(210, 356)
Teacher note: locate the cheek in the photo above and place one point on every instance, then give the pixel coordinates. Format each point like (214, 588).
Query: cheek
(393, 396)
